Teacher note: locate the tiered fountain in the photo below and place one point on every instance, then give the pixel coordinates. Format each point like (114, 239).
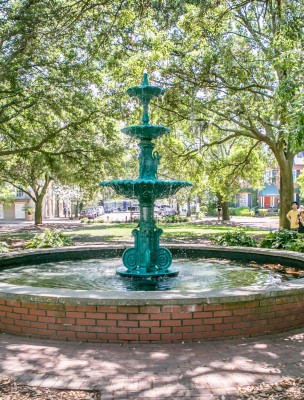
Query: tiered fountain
(146, 258)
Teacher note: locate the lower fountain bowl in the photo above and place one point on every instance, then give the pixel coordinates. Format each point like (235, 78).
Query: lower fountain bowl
(149, 316)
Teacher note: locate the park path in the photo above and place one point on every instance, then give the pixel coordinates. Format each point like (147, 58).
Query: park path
(203, 370)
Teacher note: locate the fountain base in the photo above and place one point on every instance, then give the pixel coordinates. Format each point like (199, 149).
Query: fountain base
(137, 273)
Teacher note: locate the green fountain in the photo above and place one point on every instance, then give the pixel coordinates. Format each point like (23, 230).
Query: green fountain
(146, 258)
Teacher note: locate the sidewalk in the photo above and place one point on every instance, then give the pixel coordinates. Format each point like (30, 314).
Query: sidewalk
(206, 370)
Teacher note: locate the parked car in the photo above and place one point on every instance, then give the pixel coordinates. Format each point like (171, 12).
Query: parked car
(169, 211)
(83, 213)
(90, 213)
(165, 210)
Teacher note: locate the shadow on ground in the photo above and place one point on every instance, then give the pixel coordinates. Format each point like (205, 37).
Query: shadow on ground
(182, 370)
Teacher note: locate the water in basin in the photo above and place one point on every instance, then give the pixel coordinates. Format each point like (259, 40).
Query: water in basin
(99, 274)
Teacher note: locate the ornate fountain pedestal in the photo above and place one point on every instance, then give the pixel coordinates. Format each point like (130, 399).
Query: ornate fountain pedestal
(146, 258)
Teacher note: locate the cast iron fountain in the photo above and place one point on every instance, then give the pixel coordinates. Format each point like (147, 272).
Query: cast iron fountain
(146, 258)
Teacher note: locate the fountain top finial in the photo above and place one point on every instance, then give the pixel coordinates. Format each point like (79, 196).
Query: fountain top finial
(145, 81)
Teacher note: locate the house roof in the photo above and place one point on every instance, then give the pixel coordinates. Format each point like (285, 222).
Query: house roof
(269, 190)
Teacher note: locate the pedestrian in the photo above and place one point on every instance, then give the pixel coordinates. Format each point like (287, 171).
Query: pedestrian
(293, 216)
(301, 222)
(65, 212)
(219, 211)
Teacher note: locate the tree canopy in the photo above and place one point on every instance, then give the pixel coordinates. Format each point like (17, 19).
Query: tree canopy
(233, 70)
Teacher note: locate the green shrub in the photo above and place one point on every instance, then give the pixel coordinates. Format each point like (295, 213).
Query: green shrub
(232, 211)
(84, 220)
(204, 209)
(246, 213)
(263, 212)
(235, 238)
(297, 244)
(213, 213)
(3, 247)
(240, 210)
(99, 220)
(47, 239)
(280, 239)
(172, 219)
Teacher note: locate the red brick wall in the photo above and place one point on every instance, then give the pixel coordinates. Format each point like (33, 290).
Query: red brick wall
(98, 323)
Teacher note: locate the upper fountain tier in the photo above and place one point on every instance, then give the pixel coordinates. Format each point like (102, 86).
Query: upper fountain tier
(145, 94)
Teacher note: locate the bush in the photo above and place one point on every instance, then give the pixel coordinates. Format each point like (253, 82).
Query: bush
(240, 210)
(99, 220)
(246, 213)
(263, 212)
(232, 211)
(172, 219)
(47, 239)
(236, 238)
(84, 220)
(281, 239)
(3, 247)
(297, 244)
(204, 209)
(213, 213)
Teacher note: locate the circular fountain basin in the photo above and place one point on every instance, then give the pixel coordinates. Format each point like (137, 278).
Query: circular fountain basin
(151, 316)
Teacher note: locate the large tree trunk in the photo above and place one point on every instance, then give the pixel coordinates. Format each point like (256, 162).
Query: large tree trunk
(286, 189)
(38, 210)
(225, 211)
(39, 194)
(225, 207)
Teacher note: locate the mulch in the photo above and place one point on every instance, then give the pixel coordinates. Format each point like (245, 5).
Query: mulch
(286, 389)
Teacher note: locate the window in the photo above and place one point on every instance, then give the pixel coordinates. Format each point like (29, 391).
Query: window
(20, 194)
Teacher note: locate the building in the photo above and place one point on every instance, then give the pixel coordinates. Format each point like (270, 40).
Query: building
(17, 210)
(269, 196)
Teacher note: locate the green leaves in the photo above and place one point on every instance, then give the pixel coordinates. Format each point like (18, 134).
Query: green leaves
(49, 238)
(236, 238)
(284, 239)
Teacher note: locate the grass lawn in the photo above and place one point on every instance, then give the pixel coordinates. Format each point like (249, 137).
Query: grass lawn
(172, 232)
(119, 233)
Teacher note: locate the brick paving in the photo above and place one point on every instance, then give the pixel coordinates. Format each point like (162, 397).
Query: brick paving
(202, 370)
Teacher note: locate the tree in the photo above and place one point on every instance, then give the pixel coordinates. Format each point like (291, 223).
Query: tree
(7, 195)
(246, 70)
(84, 161)
(231, 166)
(237, 69)
(53, 63)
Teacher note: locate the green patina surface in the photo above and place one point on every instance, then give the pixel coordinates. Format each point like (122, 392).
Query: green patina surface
(146, 258)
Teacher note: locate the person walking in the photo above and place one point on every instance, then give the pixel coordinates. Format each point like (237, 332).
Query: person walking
(219, 211)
